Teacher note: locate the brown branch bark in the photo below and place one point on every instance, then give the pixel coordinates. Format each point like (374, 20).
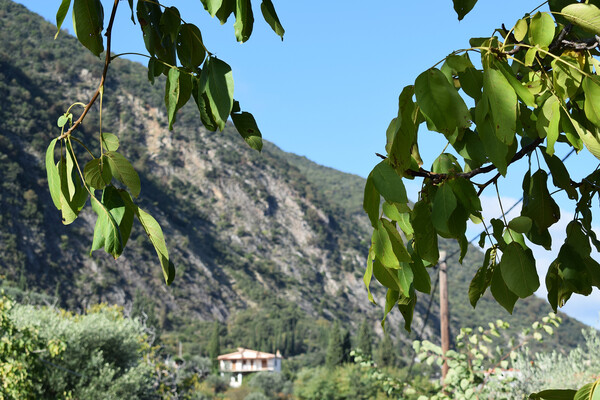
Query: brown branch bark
(107, 61)
(477, 171)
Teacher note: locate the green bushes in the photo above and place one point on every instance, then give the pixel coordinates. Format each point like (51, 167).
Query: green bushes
(53, 354)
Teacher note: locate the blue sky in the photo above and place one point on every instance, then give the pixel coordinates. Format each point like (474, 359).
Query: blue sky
(330, 89)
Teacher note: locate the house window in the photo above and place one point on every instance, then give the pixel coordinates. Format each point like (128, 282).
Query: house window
(264, 363)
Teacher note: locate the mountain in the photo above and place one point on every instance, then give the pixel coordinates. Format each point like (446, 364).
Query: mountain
(270, 244)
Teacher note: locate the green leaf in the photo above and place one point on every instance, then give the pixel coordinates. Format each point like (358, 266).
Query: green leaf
(496, 150)
(52, 173)
(206, 114)
(520, 30)
(269, 14)
(520, 224)
(444, 205)
(248, 129)
(110, 142)
(440, 102)
(586, 16)
(131, 7)
(541, 29)
(382, 246)
(406, 277)
(190, 49)
(388, 245)
(72, 195)
(406, 305)
(159, 43)
(471, 82)
(402, 132)
(466, 195)
(524, 94)
(462, 7)
(538, 204)
(391, 211)
(369, 274)
(155, 234)
(97, 173)
(502, 104)
(216, 81)
(591, 391)
(106, 231)
(501, 292)
(518, 270)
(425, 238)
(371, 200)
(590, 140)
(124, 172)
(112, 236)
(244, 20)
(566, 77)
(481, 281)
(88, 22)
(422, 280)
(548, 122)
(70, 168)
(446, 164)
(554, 394)
(61, 14)
(397, 243)
(471, 149)
(387, 277)
(178, 90)
(560, 175)
(62, 120)
(155, 69)
(212, 6)
(388, 183)
(391, 297)
(226, 10)
(169, 23)
(404, 224)
(592, 100)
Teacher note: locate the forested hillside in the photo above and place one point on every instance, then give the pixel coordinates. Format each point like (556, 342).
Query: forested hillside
(266, 243)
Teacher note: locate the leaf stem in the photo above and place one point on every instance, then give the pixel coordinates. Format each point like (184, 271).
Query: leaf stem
(82, 144)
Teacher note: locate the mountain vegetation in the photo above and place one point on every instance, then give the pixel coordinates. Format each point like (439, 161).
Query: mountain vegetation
(269, 245)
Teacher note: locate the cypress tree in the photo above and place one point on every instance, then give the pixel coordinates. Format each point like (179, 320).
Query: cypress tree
(387, 353)
(335, 352)
(365, 339)
(214, 347)
(346, 346)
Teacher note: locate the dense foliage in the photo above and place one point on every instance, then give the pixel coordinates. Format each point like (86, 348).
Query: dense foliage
(535, 87)
(51, 354)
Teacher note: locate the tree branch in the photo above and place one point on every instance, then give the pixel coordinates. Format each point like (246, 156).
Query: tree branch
(436, 178)
(107, 61)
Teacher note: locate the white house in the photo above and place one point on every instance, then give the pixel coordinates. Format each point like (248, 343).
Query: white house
(245, 361)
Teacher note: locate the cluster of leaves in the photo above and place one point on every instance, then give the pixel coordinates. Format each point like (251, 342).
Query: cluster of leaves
(476, 368)
(537, 84)
(168, 39)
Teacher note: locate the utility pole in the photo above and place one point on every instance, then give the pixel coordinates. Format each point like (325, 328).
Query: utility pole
(444, 313)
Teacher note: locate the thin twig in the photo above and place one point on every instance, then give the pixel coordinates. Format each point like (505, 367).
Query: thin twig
(435, 177)
(102, 79)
